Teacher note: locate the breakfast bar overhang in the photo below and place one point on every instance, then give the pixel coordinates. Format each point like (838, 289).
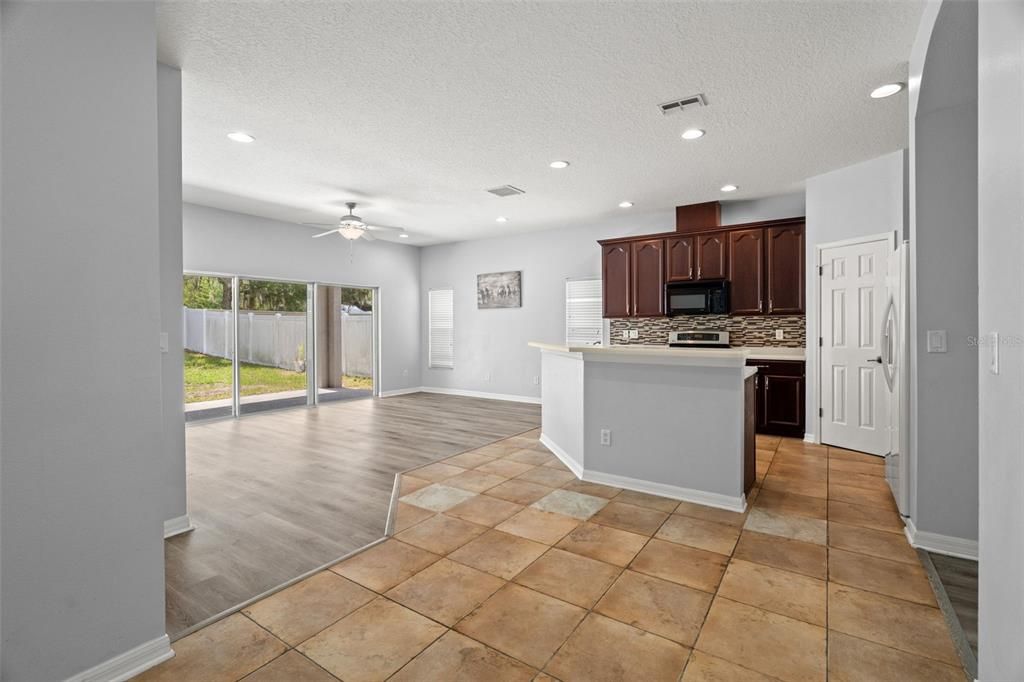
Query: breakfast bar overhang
(672, 422)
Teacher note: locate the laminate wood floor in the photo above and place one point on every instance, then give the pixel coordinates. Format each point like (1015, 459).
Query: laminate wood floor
(959, 577)
(279, 494)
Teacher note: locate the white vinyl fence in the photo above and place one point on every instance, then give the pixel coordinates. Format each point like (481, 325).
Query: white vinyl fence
(357, 344)
(276, 339)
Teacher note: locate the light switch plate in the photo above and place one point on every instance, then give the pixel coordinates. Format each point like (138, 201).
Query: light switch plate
(779, 335)
(634, 333)
(936, 340)
(164, 342)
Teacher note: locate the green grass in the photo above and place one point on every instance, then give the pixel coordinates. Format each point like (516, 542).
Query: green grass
(209, 378)
(349, 381)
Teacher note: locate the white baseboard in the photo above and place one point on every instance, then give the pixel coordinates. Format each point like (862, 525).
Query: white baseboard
(737, 504)
(482, 394)
(464, 393)
(400, 391)
(941, 544)
(563, 456)
(178, 525)
(727, 502)
(129, 664)
(809, 438)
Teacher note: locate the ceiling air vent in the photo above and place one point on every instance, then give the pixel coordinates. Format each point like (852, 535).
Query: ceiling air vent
(677, 105)
(506, 191)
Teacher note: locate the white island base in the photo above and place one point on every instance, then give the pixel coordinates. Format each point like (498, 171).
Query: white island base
(678, 422)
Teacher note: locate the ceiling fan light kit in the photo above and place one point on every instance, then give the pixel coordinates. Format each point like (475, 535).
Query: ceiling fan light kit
(352, 227)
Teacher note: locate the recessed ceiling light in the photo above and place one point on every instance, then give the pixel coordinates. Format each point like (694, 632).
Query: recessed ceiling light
(693, 134)
(626, 204)
(559, 164)
(403, 236)
(502, 219)
(241, 137)
(729, 188)
(886, 90)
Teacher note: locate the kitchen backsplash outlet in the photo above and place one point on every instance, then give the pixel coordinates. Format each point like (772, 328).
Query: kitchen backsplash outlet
(744, 330)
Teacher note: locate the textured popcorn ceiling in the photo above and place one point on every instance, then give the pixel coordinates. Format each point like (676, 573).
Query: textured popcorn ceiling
(414, 108)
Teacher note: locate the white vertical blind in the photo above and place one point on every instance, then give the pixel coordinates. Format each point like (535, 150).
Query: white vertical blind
(583, 322)
(442, 328)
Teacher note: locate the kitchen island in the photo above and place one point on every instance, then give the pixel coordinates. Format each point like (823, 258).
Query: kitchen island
(672, 422)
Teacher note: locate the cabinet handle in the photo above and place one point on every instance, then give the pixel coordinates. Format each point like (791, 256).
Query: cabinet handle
(691, 272)
(698, 271)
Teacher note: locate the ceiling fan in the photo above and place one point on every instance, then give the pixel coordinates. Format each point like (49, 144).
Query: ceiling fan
(352, 227)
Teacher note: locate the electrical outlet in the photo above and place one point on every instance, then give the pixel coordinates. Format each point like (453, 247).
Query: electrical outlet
(625, 335)
(536, 381)
(606, 437)
(405, 372)
(779, 335)
(487, 376)
(634, 333)
(164, 342)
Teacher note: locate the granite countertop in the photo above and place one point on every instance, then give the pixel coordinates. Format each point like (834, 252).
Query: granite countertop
(651, 350)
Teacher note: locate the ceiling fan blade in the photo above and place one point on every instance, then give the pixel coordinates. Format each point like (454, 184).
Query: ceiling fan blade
(368, 237)
(385, 228)
(321, 224)
(324, 234)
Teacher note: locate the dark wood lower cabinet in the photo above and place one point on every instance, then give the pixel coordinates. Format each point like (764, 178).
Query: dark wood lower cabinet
(749, 428)
(779, 387)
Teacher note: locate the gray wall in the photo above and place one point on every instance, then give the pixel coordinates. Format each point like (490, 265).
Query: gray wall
(494, 341)
(1001, 308)
(944, 241)
(232, 243)
(856, 201)
(82, 573)
(172, 388)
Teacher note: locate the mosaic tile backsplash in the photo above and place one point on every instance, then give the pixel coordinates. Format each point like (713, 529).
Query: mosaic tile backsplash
(744, 330)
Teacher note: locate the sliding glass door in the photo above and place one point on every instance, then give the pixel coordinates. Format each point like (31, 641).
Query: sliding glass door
(272, 344)
(209, 346)
(346, 342)
(258, 344)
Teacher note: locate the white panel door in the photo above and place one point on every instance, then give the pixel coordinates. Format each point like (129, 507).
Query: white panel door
(854, 397)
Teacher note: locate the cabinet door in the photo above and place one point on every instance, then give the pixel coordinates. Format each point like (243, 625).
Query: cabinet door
(648, 277)
(616, 280)
(785, 270)
(712, 256)
(746, 272)
(679, 258)
(783, 404)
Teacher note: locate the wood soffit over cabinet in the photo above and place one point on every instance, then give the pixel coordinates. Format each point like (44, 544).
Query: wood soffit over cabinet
(763, 262)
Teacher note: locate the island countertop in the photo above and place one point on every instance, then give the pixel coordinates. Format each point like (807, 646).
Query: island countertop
(701, 357)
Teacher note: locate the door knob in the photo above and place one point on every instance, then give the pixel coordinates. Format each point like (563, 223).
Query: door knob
(878, 359)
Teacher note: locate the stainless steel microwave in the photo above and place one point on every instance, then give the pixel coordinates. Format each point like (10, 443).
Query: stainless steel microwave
(697, 298)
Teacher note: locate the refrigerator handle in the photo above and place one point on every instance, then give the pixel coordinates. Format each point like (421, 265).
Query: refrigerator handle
(888, 328)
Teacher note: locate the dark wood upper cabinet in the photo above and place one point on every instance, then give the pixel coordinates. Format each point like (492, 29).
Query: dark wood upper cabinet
(648, 266)
(746, 272)
(785, 271)
(680, 259)
(712, 255)
(764, 263)
(616, 279)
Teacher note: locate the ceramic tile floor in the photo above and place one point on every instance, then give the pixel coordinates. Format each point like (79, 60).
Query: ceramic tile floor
(503, 566)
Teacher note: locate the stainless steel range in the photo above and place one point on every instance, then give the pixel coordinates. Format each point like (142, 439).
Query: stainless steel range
(700, 338)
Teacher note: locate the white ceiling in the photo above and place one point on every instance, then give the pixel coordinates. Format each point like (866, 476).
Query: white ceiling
(413, 109)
